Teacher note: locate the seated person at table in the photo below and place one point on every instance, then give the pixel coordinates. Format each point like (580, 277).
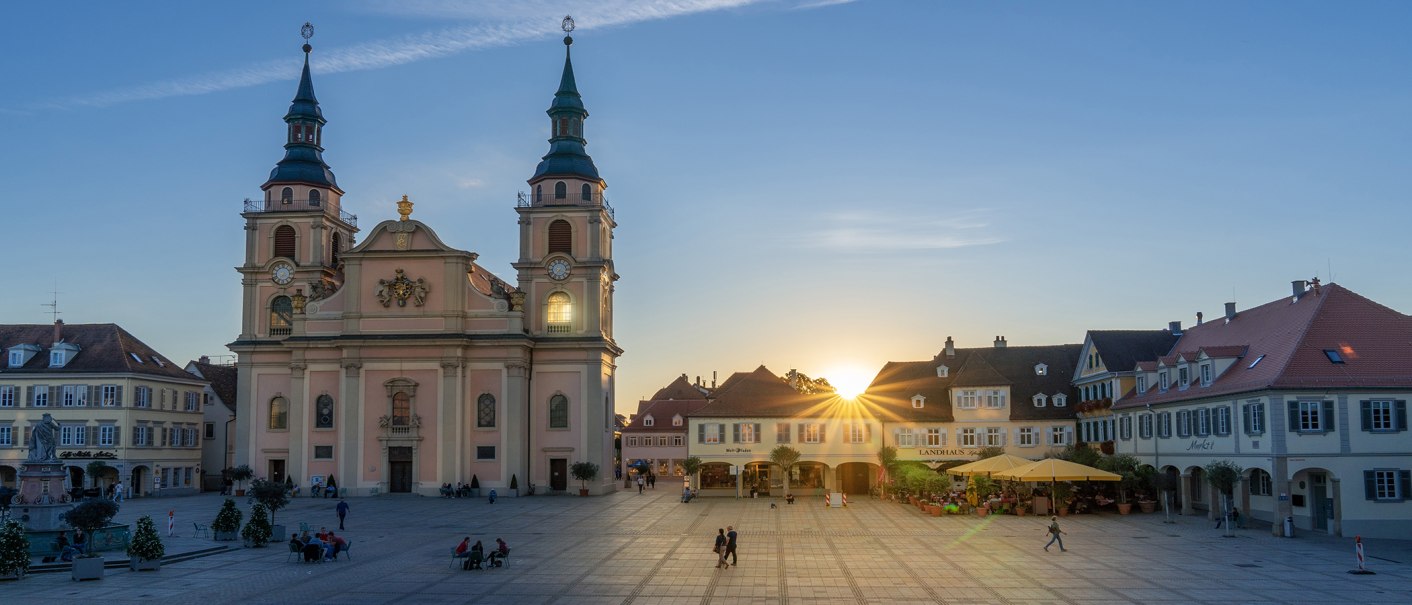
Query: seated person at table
(477, 555)
(501, 549)
(463, 549)
(313, 549)
(336, 544)
(295, 542)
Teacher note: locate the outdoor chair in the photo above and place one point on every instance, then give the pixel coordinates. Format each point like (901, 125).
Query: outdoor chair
(200, 530)
(296, 553)
(499, 559)
(456, 558)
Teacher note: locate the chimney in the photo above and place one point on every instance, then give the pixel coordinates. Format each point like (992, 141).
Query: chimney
(1175, 327)
(999, 342)
(1230, 311)
(950, 347)
(204, 360)
(1297, 288)
(698, 380)
(58, 330)
(713, 379)
(1198, 318)
(1315, 284)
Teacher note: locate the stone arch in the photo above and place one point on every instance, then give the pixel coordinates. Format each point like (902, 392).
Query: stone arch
(9, 476)
(716, 475)
(1315, 499)
(855, 477)
(141, 480)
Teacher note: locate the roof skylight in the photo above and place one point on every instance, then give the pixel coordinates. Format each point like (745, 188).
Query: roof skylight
(1255, 363)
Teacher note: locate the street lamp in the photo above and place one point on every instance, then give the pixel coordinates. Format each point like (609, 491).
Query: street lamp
(1157, 462)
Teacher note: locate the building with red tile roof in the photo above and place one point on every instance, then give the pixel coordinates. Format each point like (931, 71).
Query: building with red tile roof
(1307, 393)
(656, 437)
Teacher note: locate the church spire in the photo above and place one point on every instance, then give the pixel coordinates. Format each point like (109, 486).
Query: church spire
(567, 156)
(303, 161)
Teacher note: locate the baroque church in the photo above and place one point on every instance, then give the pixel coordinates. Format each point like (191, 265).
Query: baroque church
(398, 364)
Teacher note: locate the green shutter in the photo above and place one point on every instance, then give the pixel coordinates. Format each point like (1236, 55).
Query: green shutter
(1366, 413)
(1294, 416)
(735, 433)
(1404, 480)
(1326, 421)
(29, 397)
(758, 439)
(1399, 411)
(701, 433)
(1245, 418)
(1370, 490)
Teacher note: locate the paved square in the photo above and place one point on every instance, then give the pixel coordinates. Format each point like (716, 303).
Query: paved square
(630, 548)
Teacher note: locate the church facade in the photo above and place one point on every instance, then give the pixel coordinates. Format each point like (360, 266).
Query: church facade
(399, 364)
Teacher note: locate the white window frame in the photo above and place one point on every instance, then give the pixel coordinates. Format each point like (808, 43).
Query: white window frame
(1141, 384)
(1028, 437)
(17, 359)
(1387, 409)
(1387, 487)
(747, 433)
(1222, 423)
(995, 399)
(712, 433)
(677, 441)
(1058, 435)
(1261, 483)
(1203, 422)
(1311, 417)
(676, 420)
(813, 433)
(918, 401)
(7, 435)
(143, 396)
(856, 432)
(1164, 381)
(994, 437)
(906, 438)
(1060, 400)
(782, 432)
(41, 396)
(968, 437)
(632, 441)
(1257, 418)
(1206, 374)
(1040, 400)
(647, 421)
(7, 396)
(107, 435)
(936, 437)
(967, 399)
(108, 395)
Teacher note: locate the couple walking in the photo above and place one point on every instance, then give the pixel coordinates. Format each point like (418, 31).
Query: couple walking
(725, 546)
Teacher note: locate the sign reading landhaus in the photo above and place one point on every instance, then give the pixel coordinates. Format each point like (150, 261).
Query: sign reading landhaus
(943, 452)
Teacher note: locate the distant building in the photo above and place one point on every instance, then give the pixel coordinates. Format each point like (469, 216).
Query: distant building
(218, 422)
(945, 409)
(116, 400)
(657, 434)
(1107, 371)
(1307, 393)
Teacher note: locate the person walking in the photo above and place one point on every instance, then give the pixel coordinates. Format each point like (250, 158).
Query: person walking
(730, 544)
(118, 491)
(1054, 530)
(342, 510)
(720, 548)
(639, 485)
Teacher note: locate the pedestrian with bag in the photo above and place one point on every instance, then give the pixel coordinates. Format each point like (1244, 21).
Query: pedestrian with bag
(720, 548)
(1054, 531)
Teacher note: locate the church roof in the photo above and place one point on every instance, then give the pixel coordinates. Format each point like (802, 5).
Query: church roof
(567, 156)
(303, 161)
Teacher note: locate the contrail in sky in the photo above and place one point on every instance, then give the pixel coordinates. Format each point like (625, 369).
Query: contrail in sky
(518, 27)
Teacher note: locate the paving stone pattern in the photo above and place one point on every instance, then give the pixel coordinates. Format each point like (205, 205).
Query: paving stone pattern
(630, 548)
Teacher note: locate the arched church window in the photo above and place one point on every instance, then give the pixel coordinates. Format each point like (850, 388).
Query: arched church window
(485, 411)
(281, 316)
(401, 410)
(539, 193)
(559, 312)
(286, 195)
(335, 247)
(563, 127)
(323, 412)
(561, 190)
(284, 241)
(587, 193)
(561, 237)
(558, 412)
(279, 414)
(314, 198)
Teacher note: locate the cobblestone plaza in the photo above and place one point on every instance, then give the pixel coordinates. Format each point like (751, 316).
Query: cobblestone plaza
(630, 548)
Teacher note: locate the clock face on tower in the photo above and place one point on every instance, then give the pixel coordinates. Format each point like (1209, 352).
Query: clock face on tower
(559, 269)
(282, 274)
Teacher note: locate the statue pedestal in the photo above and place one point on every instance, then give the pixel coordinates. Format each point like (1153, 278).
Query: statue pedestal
(43, 496)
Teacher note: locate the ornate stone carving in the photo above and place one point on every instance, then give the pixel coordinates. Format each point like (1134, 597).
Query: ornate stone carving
(517, 301)
(44, 438)
(399, 289)
(319, 290)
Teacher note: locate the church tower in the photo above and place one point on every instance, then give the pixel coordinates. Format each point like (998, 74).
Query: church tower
(295, 234)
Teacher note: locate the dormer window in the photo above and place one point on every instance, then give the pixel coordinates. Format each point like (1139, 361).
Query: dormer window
(1142, 384)
(1206, 374)
(17, 358)
(1040, 400)
(677, 420)
(1164, 380)
(918, 401)
(56, 359)
(942, 371)
(1183, 377)
(1061, 401)
(1041, 369)
(647, 421)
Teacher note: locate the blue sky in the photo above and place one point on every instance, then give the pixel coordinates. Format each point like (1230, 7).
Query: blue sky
(815, 185)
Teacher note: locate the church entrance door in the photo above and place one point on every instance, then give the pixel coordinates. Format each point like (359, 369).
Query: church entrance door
(399, 467)
(559, 474)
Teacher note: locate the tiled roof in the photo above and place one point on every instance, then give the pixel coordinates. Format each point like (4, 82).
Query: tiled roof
(895, 385)
(678, 389)
(103, 348)
(762, 393)
(662, 413)
(1121, 350)
(222, 379)
(1375, 343)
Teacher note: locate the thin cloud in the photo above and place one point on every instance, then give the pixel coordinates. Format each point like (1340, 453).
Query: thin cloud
(821, 4)
(520, 27)
(871, 233)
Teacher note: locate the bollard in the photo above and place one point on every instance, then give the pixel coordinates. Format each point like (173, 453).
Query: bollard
(1289, 527)
(1358, 554)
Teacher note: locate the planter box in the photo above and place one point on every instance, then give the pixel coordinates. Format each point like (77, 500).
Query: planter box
(141, 564)
(937, 510)
(1125, 508)
(11, 576)
(225, 536)
(1147, 506)
(583, 492)
(87, 569)
(278, 533)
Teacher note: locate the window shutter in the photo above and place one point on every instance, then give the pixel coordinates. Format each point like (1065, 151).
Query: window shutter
(735, 432)
(1002, 437)
(119, 400)
(25, 440)
(867, 432)
(1399, 411)
(1369, 485)
(1245, 418)
(1294, 416)
(1326, 423)
(54, 396)
(758, 439)
(823, 432)
(29, 397)
(897, 437)
(1068, 435)
(94, 392)
(90, 435)
(117, 436)
(1366, 414)
(1404, 480)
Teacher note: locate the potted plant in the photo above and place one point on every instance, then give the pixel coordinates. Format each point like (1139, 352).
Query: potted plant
(258, 531)
(90, 516)
(475, 486)
(227, 521)
(584, 472)
(1063, 493)
(240, 475)
(514, 484)
(1223, 475)
(94, 470)
(274, 496)
(785, 457)
(1126, 467)
(146, 551)
(14, 550)
(691, 466)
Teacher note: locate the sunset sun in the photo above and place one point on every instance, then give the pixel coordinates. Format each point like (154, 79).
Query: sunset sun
(849, 381)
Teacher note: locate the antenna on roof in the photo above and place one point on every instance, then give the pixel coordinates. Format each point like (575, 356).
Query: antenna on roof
(53, 304)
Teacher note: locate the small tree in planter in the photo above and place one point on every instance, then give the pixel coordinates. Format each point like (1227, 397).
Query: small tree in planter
(94, 470)
(258, 531)
(90, 516)
(227, 521)
(786, 457)
(887, 458)
(14, 550)
(1063, 496)
(691, 466)
(240, 475)
(514, 484)
(271, 494)
(1223, 475)
(584, 472)
(146, 550)
(1125, 465)
(475, 486)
